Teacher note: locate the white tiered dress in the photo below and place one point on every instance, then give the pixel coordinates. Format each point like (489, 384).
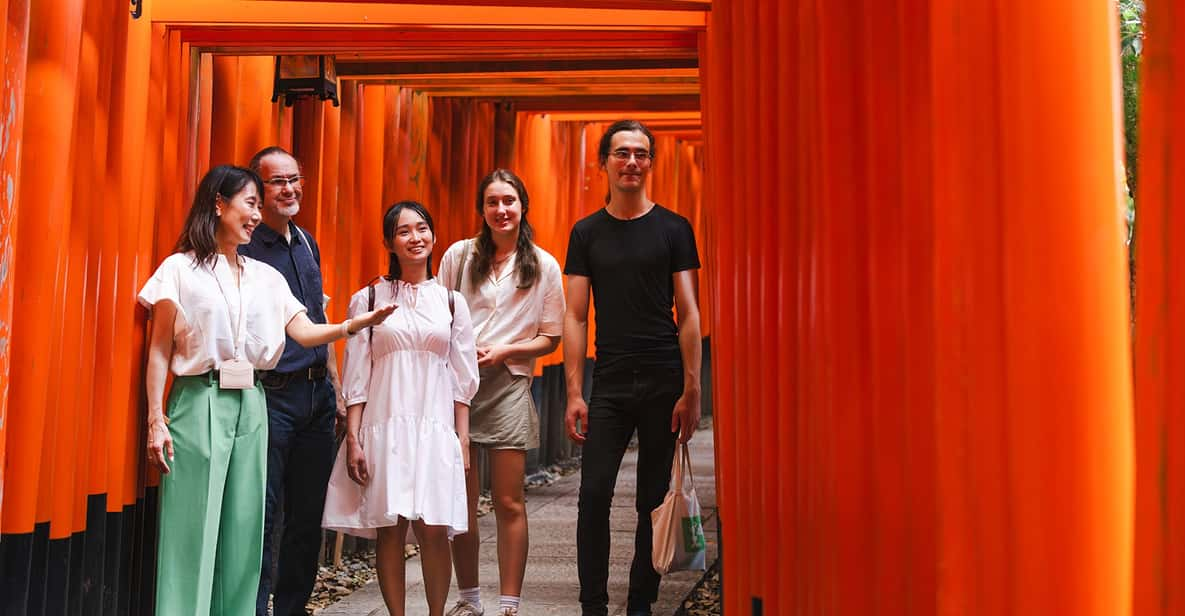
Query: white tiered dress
(408, 371)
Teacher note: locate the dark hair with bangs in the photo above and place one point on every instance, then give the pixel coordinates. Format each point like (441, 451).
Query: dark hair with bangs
(391, 219)
(201, 225)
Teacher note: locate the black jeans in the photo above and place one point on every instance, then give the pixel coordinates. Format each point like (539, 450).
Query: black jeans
(620, 403)
(300, 452)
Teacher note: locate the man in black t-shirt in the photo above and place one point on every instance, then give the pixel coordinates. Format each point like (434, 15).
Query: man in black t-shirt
(639, 260)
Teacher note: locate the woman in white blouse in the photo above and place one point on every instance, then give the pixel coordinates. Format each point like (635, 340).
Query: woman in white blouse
(217, 318)
(514, 290)
(407, 383)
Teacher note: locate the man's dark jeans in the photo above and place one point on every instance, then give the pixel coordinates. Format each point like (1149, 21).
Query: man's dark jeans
(299, 458)
(620, 403)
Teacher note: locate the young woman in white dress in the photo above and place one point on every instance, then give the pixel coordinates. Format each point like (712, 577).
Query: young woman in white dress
(514, 291)
(407, 383)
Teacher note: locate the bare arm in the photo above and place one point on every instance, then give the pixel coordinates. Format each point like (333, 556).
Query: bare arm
(461, 420)
(536, 347)
(355, 456)
(160, 351)
(575, 350)
(335, 380)
(309, 334)
(686, 416)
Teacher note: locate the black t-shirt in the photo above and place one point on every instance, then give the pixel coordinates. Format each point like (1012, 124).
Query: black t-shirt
(630, 264)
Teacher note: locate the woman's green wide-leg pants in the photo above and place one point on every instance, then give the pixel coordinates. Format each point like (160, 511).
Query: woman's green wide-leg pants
(211, 504)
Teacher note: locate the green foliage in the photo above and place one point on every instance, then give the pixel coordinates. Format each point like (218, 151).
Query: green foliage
(1131, 45)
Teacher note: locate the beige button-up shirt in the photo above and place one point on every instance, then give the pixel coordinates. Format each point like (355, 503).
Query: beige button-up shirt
(503, 313)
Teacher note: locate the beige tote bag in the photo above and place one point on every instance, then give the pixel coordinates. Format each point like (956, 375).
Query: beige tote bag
(678, 528)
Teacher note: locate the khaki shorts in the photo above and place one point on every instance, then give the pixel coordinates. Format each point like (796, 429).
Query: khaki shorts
(502, 415)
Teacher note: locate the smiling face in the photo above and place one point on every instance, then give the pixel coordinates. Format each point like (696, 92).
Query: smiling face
(237, 216)
(628, 164)
(412, 240)
(281, 185)
(503, 211)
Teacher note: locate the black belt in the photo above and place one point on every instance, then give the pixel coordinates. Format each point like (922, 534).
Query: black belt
(312, 373)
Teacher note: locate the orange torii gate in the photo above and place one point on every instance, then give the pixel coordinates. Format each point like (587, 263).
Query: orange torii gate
(923, 376)
(935, 416)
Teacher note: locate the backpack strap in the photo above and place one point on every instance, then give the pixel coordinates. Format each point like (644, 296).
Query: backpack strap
(370, 301)
(461, 268)
(304, 239)
(452, 305)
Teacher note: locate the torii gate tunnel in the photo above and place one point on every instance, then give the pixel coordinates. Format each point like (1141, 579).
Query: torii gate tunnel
(929, 394)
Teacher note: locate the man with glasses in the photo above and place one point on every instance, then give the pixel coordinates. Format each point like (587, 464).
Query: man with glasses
(638, 259)
(301, 398)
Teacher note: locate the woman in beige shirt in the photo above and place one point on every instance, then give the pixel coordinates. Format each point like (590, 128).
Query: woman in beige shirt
(514, 291)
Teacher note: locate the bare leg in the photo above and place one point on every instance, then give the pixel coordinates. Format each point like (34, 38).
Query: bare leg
(507, 469)
(390, 565)
(466, 546)
(438, 568)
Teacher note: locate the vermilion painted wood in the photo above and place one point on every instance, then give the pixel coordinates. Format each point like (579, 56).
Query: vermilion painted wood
(206, 12)
(185, 110)
(921, 402)
(1160, 394)
(664, 5)
(205, 115)
(368, 68)
(40, 249)
(369, 181)
(399, 43)
(14, 35)
(949, 405)
(307, 146)
(72, 407)
(132, 172)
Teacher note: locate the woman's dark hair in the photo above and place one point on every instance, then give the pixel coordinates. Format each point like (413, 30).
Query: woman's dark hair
(526, 267)
(618, 127)
(391, 219)
(201, 225)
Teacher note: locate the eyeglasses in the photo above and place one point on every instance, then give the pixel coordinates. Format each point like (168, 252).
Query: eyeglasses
(280, 183)
(642, 156)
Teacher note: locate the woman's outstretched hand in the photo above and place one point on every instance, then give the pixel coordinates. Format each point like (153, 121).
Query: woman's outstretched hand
(370, 319)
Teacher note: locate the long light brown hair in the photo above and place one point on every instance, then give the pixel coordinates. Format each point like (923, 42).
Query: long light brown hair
(526, 267)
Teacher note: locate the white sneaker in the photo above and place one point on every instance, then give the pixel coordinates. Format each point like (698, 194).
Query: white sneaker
(465, 608)
(508, 611)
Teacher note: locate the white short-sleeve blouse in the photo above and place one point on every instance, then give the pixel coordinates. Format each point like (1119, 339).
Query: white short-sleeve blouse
(503, 313)
(208, 302)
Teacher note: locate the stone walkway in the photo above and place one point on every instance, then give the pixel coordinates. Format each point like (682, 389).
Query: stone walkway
(551, 583)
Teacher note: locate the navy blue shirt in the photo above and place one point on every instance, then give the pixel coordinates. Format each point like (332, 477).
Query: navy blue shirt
(300, 263)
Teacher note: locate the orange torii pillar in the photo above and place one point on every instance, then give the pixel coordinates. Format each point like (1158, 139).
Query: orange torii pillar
(40, 252)
(14, 43)
(1160, 318)
(923, 391)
